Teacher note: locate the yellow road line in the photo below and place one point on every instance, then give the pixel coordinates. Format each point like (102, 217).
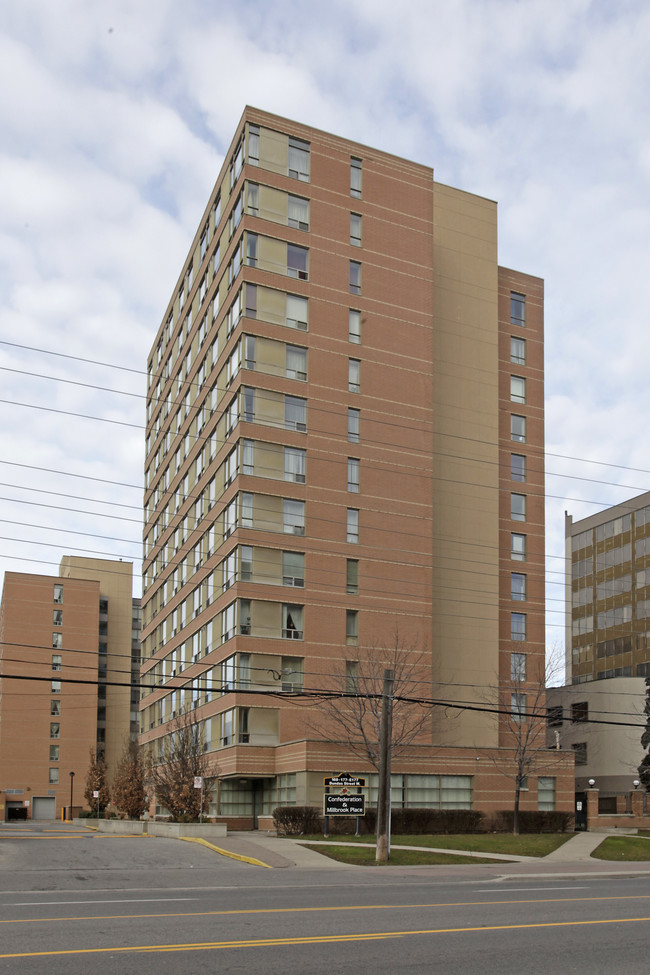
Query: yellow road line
(226, 853)
(317, 910)
(317, 939)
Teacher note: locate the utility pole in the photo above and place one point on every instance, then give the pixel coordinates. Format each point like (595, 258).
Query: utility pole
(385, 742)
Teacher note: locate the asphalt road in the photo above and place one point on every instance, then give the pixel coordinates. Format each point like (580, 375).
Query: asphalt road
(73, 902)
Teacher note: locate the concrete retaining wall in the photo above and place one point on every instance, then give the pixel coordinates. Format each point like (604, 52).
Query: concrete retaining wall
(204, 831)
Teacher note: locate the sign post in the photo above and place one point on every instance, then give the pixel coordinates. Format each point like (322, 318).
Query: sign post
(198, 784)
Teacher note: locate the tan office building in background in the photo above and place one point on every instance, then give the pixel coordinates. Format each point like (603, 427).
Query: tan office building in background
(344, 454)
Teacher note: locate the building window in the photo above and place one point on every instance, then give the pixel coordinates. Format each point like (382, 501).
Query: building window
(518, 428)
(293, 569)
(293, 515)
(293, 679)
(518, 350)
(57, 641)
(55, 708)
(296, 363)
(580, 752)
(297, 262)
(54, 776)
(580, 711)
(351, 627)
(354, 326)
(251, 300)
(517, 626)
(58, 593)
(57, 617)
(55, 687)
(253, 199)
(297, 312)
(353, 474)
(298, 213)
(355, 229)
(517, 309)
(299, 159)
(355, 277)
(518, 707)
(354, 375)
(355, 177)
(55, 729)
(54, 753)
(518, 507)
(292, 622)
(517, 389)
(353, 525)
(517, 547)
(254, 145)
(518, 666)
(295, 413)
(546, 793)
(351, 676)
(517, 467)
(352, 576)
(554, 717)
(517, 586)
(354, 424)
(294, 465)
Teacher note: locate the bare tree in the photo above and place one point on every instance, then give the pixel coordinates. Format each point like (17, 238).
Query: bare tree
(172, 774)
(644, 767)
(523, 713)
(96, 782)
(129, 792)
(351, 714)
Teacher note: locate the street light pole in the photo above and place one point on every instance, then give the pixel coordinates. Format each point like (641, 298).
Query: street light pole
(71, 792)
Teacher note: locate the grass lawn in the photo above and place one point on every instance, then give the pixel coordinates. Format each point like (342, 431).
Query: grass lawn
(623, 849)
(364, 856)
(528, 844)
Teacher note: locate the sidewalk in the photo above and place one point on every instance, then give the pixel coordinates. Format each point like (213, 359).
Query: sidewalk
(573, 858)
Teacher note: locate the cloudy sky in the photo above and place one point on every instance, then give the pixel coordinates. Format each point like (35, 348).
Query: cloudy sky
(113, 126)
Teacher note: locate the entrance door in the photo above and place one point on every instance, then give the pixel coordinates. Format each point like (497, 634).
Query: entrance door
(581, 810)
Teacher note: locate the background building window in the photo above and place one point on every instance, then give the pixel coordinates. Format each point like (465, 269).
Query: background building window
(58, 593)
(518, 428)
(54, 776)
(518, 707)
(352, 576)
(517, 626)
(546, 793)
(353, 525)
(354, 375)
(354, 326)
(351, 627)
(518, 666)
(353, 474)
(298, 213)
(293, 517)
(517, 547)
(351, 676)
(517, 308)
(580, 711)
(354, 424)
(517, 585)
(580, 752)
(299, 159)
(297, 262)
(517, 467)
(518, 507)
(355, 277)
(517, 389)
(518, 350)
(355, 229)
(355, 177)
(293, 569)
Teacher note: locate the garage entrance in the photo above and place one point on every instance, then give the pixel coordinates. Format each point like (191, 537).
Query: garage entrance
(15, 811)
(44, 807)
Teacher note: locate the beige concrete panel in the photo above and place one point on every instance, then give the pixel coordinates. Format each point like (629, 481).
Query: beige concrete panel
(267, 566)
(268, 460)
(264, 725)
(272, 255)
(465, 462)
(267, 512)
(271, 357)
(273, 205)
(274, 151)
(271, 305)
(269, 407)
(266, 618)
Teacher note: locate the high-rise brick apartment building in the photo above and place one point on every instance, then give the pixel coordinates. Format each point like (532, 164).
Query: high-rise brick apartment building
(69, 652)
(344, 449)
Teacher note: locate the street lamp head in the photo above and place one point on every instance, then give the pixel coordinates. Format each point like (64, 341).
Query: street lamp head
(636, 783)
(592, 783)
